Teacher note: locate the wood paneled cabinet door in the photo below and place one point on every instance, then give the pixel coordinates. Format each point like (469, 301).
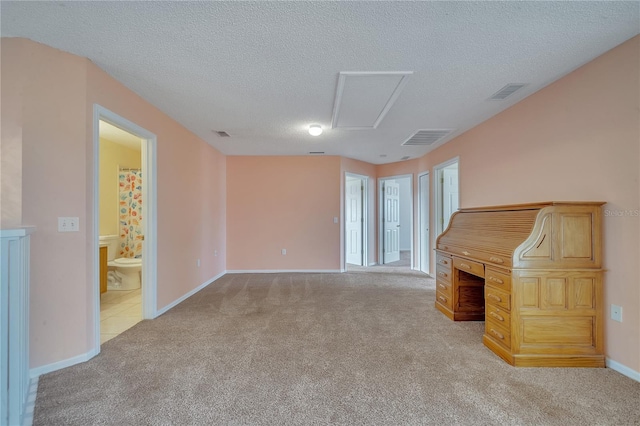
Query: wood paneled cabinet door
(103, 269)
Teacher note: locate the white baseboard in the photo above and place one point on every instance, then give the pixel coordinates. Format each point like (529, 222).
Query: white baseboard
(373, 263)
(189, 294)
(283, 271)
(623, 369)
(44, 369)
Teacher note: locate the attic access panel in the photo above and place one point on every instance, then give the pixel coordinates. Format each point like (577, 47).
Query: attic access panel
(364, 98)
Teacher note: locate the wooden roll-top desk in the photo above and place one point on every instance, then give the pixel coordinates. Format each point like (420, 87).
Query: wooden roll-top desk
(533, 273)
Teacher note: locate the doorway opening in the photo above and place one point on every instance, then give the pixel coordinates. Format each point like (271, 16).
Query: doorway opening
(355, 223)
(446, 193)
(424, 254)
(124, 225)
(396, 221)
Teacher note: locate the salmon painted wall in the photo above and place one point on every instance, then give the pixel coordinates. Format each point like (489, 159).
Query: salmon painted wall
(350, 165)
(276, 203)
(53, 102)
(576, 139)
(58, 91)
(10, 139)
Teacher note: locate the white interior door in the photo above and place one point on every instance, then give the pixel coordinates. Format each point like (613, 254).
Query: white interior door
(449, 194)
(391, 191)
(423, 195)
(354, 221)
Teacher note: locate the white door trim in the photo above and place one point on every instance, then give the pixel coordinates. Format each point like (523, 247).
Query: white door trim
(149, 224)
(380, 215)
(437, 195)
(365, 219)
(421, 203)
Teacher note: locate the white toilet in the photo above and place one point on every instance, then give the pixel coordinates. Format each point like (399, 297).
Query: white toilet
(124, 273)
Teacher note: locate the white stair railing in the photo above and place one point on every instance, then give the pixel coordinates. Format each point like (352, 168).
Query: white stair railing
(14, 324)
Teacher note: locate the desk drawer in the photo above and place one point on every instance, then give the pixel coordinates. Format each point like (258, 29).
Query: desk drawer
(474, 268)
(497, 279)
(497, 332)
(498, 315)
(443, 261)
(444, 299)
(442, 273)
(444, 287)
(497, 297)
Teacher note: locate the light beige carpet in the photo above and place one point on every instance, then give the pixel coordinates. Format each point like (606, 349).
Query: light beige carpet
(354, 348)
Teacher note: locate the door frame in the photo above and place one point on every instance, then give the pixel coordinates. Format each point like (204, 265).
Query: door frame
(365, 220)
(437, 185)
(421, 204)
(381, 216)
(149, 224)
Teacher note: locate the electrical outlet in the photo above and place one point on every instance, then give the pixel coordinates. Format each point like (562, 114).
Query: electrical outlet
(68, 224)
(198, 262)
(616, 313)
(335, 219)
(215, 253)
(284, 252)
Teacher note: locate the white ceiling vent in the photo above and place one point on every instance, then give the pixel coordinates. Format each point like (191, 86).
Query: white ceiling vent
(426, 137)
(364, 98)
(506, 91)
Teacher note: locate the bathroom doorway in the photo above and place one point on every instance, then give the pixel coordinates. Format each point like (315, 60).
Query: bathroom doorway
(124, 221)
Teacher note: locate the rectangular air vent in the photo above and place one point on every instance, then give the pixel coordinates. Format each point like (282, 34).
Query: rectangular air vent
(316, 152)
(506, 91)
(406, 157)
(426, 137)
(222, 133)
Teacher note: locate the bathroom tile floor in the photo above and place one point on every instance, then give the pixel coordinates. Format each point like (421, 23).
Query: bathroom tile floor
(119, 311)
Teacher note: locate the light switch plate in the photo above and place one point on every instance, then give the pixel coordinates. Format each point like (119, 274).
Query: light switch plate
(616, 313)
(68, 224)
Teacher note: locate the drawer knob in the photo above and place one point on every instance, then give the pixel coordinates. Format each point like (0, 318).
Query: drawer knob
(497, 334)
(442, 285)
(496, 280)
(494, 297)
(444, 262)
(465, 266)
(442, 299)
(496, 316)
(496, 259)
(466, 253)
(442, 274)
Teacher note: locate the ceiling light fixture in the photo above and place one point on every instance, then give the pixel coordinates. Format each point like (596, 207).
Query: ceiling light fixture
(315, 130)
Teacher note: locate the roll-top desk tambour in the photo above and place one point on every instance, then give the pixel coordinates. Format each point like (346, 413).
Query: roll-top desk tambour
(533, 273)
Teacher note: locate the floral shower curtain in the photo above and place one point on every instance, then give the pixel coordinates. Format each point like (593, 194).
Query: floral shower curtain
(130, 183)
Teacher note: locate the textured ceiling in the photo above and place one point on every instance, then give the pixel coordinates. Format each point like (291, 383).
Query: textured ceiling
(264, 71)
